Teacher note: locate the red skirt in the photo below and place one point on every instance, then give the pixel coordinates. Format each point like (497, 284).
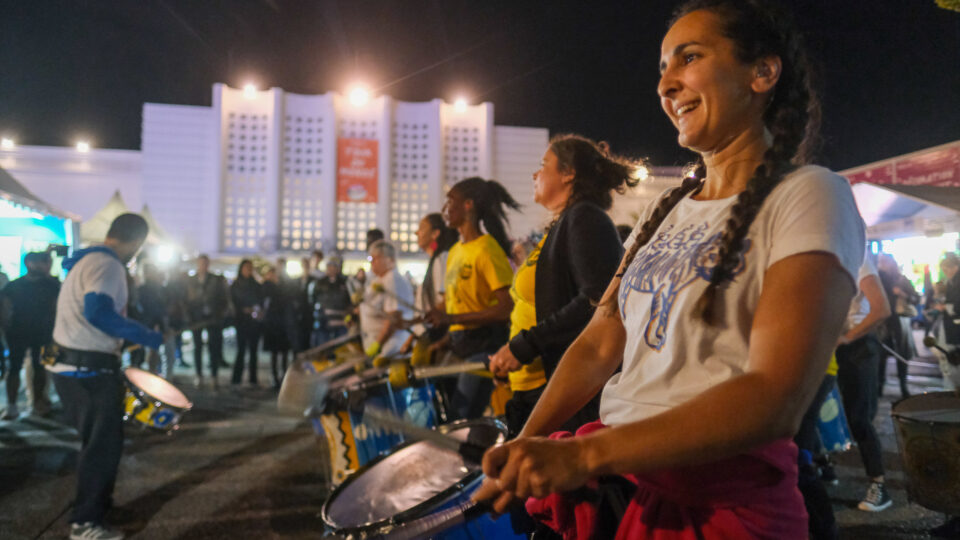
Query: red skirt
(753, 495)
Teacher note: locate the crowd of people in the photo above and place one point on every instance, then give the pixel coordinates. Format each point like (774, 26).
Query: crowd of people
(661, 385)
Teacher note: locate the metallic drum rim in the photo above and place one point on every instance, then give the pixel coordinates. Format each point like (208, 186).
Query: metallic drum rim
(419, 510)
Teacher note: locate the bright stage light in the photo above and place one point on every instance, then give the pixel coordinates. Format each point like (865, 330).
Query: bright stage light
(83, 147)
(359, 96)
(641, 173)
(460, 105)
(164, 254)
(7, 143)
(249, 91)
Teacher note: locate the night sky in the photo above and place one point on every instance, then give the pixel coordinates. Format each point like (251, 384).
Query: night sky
(890, 69)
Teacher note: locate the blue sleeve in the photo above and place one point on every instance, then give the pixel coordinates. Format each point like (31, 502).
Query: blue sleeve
(99, 311)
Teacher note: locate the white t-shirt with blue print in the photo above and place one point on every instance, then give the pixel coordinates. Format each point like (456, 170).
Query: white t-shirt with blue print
(671, 355)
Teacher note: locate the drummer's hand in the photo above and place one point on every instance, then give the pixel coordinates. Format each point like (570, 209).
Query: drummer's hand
(503, 362)
(498, 500)
(535, 467)
(437, 317)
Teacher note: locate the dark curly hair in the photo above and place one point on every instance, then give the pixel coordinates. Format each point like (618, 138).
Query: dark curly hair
(597, 173)
(757, 29)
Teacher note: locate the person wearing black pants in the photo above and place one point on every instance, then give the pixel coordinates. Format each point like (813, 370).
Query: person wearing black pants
(857, 377)
(28, 307)
(206, 305)
(858, 358)
(89, 331)
(98, 418)
(247, 301)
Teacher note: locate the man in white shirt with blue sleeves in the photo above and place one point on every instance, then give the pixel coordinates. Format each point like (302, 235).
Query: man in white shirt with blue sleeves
(89, 332)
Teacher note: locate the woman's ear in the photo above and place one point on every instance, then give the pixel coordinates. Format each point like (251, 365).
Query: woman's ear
(767, 73)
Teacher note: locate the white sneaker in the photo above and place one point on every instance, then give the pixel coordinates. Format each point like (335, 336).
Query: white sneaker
(12, 413)
(90, 531)
(877, 498)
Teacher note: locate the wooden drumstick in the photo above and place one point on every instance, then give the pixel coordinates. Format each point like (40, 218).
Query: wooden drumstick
(469, 451)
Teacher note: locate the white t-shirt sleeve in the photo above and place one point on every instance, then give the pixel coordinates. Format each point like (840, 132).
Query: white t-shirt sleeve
(440, 273)
(867, 269)
(390, 291)
(814, 211)
(109, 279)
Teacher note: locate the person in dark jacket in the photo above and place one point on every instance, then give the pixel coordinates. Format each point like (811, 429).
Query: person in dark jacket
(275, 324)
(330, 298)
(153, 308)
(207, 303)
(302, 307)
(247, 297)
(29, 305)
(572, 266)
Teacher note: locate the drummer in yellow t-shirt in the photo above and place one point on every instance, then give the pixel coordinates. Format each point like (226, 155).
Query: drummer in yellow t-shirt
(478, 278)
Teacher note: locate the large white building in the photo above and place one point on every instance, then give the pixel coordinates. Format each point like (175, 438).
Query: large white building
(266, 172)
(271, 171)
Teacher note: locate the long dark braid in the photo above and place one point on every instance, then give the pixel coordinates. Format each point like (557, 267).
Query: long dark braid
(650, 226)
(759, 29)
(490, 202)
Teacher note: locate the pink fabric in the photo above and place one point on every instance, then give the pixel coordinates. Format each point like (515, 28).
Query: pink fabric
(749, 496)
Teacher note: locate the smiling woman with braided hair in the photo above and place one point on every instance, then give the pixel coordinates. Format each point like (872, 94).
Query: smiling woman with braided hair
(722, 316)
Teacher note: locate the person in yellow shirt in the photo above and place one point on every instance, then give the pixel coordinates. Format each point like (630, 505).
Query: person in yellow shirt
(556, 288)
(478, 278)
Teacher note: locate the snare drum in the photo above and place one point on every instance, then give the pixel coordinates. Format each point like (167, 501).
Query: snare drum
(352, 441)
(152, 401)
(418, 491)
(928, 434)
(832, 424)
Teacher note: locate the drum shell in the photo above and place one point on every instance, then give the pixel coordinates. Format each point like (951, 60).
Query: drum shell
(153, 414)
(930, 450)
(150, 412)
(832, 423)
(353, 442)
(449, 497)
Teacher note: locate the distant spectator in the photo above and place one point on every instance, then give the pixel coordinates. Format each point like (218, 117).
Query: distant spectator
(302, 308)
(316, 257)
(4, 279)
(177, 315)
(29, 308)
(896, 331)
(247, 297)
(152, 299)
(207, 303)
(330, 297)
(275, 336)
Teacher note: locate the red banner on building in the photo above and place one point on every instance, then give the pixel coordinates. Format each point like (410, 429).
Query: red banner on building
(939, 167)
(357, 170)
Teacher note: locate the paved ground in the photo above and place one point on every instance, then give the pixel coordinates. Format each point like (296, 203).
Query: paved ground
(237, 470)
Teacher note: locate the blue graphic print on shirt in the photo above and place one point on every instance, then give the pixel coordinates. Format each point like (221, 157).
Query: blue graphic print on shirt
(667, 265)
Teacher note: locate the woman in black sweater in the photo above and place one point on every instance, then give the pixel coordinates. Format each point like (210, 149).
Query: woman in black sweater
(247, 297)
(574, 263)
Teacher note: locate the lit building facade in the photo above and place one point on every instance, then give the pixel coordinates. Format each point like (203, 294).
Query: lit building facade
(275, 172)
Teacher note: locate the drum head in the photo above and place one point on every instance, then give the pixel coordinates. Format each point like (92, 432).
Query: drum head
(408, 482)
(935, 407)
(157, 388)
